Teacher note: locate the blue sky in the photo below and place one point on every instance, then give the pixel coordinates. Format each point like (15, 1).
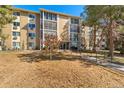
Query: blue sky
(68, 9)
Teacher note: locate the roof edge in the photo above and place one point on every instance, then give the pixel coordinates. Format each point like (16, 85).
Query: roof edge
(42, 9)
(25, 10)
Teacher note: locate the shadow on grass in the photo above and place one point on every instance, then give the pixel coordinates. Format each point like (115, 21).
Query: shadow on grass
(40, 56)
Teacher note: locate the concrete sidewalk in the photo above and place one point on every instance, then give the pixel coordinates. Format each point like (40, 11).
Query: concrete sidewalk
(108, 64)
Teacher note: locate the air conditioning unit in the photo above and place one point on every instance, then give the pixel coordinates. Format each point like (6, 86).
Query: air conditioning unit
(15, 27)
(32, 37)
(31, 28)
(31, 20)
(15, 38)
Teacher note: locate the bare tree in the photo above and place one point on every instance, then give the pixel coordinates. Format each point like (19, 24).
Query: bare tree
(51, 45)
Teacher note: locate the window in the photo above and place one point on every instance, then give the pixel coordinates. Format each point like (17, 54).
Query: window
(74, 28)
(50, 25)
(46, 25)
(32, 35)
(50, 16)
(31, 44)
(74, 21)
(74, 37)
(16, 44)
(16, 24)
(31, 16)
(54, 26)
(16, 13)
(41, 24)
(16, 33)
(31, 26)
(45, 15)
(54, 17)
(41, 15)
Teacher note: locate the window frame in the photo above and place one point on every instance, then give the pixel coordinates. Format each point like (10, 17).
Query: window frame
(16, 14)
(16, 24)
(14, 33)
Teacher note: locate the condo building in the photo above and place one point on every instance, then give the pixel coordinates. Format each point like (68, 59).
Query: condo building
(88, 37)
(66, 27)
(29, 29)
(22, 32)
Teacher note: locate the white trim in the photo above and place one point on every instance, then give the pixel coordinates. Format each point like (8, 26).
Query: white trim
(69, 29)
(50, 20)
(40, 30)
(43, 28)
(58, 34)
(50, 30)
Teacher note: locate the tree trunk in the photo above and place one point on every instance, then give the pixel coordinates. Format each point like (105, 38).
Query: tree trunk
(50, 54)
(111, 43)
(94, 39)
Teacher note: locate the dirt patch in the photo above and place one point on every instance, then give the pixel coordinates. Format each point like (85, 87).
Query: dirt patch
(15, 72)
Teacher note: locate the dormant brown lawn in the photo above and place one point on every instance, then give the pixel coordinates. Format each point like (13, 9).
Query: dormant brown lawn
(25, 69)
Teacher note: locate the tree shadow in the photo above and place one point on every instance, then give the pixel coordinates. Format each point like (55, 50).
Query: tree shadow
(88, 64)
(40, 56)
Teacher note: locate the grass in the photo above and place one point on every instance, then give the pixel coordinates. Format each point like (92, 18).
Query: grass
(118, 59)
(33, 69)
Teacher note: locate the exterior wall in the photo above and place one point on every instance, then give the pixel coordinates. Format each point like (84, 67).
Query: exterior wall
(32, 31)
(85, 37)
(87, 34)
(15, 31)
(63, 28)
(38, 31)
(24, 30)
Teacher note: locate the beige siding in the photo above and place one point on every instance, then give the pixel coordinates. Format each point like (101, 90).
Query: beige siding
(38, 31)
(63, 28)
(24, 30)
